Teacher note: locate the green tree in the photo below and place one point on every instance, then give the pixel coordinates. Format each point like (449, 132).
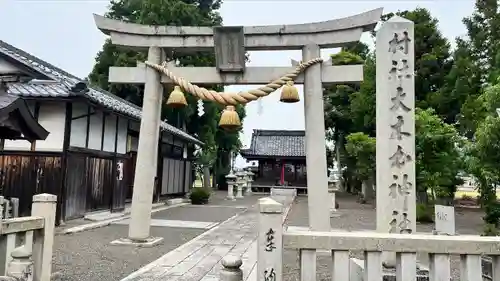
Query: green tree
(476, 62)
(483, 30)
(458, 94)
(361, 148)
(362, 103)
(351, 108)
(484, 165)
(338, 121)
(176, 13)
(438, 157)
(484, 152)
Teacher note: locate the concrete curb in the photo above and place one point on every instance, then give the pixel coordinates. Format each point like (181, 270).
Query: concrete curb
(103, 223)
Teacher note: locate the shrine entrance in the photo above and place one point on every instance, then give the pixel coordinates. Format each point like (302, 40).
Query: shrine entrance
(230, 45)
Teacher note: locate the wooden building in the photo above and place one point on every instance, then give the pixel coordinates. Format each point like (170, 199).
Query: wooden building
(88, 157)
(281, 158)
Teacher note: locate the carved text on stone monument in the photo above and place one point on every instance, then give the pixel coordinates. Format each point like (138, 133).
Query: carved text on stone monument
(270, 240)
(400, 71)
(400, 158)
(397, 101)
(397, 130)
(400, 42)
(269, 275)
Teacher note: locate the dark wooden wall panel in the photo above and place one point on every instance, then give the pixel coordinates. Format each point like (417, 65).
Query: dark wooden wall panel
(24, 174)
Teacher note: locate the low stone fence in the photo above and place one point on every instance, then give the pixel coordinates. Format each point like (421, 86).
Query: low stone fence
(272, 222)
(26, 242)
(10, 207)
(273, 239)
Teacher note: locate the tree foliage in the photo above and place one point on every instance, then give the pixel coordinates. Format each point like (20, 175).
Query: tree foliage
(361, 148)
(215, 153)
(438, 157)
(457, 93)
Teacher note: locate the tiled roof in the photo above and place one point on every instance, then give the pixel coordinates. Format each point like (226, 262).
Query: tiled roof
(63, 81)
(275, 143)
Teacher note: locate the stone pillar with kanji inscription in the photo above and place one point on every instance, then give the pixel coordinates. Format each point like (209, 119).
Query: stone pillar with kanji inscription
(395, 113)
(270, 240)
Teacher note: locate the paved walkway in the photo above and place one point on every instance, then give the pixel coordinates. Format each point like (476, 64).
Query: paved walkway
(199, 259)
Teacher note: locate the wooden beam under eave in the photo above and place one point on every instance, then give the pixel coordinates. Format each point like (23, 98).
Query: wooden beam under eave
(253, 75)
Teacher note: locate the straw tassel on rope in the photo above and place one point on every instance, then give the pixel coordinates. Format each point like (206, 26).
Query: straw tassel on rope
(289, 93)
(229, 119)
(177, 98)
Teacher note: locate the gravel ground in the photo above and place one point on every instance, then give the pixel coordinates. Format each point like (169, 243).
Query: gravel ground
(355, 216)
(88, 255)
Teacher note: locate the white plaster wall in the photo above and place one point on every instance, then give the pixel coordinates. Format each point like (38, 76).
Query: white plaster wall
(79, 130)
(109, 133)
(121, 145)
(51, 117)
(166, 138)
(95, 131)
(79, 126)
(7, 67)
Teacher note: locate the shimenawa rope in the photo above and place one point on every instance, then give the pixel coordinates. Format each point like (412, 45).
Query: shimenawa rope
(233, 98)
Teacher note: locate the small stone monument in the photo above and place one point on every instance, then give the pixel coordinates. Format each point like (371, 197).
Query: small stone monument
(444, 220)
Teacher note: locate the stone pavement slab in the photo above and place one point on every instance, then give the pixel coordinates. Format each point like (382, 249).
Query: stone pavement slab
(199, 259)
(175, 223)
(205, 213)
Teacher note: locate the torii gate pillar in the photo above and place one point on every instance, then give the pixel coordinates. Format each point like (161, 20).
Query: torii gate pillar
(316, 167)
(147, 160)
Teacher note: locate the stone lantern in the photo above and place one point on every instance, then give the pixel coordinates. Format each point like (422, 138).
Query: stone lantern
(231, 181)
(333, 187)
(241, 180)
(250, 175)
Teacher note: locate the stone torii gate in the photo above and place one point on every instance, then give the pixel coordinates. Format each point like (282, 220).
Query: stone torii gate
(230, 45)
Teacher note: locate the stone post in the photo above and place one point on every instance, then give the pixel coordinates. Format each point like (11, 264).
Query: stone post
(147, 154)
(6, 209)
(270, 243)
(231, 181)
(44, 205)
(395, 127)
(15, 207)
(240, 181)
(317, 173)
(231, 269)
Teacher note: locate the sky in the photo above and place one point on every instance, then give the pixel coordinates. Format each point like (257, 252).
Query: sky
(63, 33)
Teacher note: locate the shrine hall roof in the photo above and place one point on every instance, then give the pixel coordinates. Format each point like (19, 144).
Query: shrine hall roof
(54, 82)
(276, 143)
